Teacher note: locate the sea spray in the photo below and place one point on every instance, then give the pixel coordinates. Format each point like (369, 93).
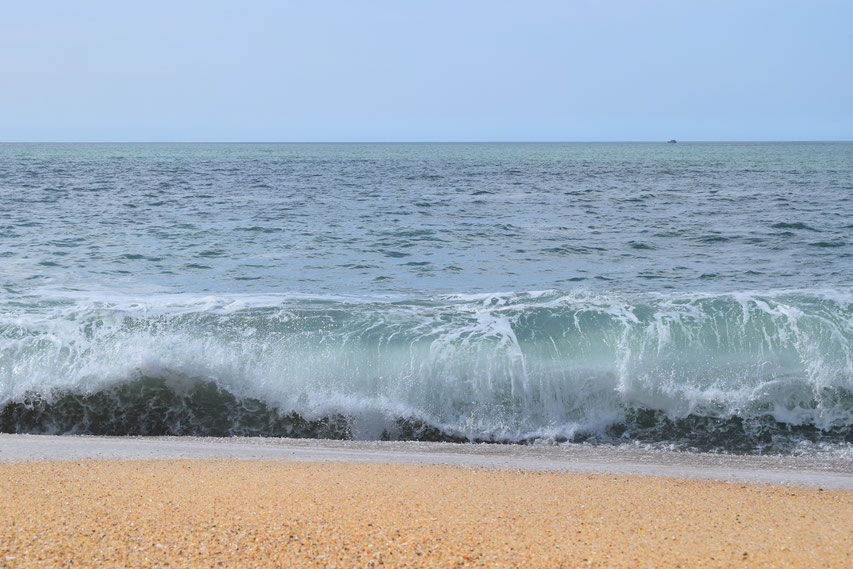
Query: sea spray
(748, 371)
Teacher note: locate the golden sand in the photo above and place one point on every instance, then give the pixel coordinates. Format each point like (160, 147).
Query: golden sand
(286, 514)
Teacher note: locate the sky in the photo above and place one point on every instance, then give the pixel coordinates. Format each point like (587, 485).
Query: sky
(461, 70)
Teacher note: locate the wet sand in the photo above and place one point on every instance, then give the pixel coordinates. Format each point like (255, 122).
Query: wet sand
(277, 513)
(824, 471)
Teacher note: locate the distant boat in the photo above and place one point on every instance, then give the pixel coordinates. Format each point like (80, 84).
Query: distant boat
(673, 141)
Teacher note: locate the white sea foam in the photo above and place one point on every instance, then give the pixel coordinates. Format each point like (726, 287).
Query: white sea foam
(509, 366)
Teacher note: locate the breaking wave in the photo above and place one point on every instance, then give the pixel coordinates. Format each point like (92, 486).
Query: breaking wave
(738, 372)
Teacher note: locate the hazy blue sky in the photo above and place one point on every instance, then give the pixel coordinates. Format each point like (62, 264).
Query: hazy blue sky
(426, 70)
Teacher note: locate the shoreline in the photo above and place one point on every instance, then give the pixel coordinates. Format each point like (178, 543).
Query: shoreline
(794, 471)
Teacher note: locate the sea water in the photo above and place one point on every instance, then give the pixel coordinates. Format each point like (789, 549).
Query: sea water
(690, 295)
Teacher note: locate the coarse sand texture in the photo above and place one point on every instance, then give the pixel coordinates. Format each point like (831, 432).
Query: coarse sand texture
(200, 513)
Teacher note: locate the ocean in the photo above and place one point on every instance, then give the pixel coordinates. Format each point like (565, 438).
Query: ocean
(691, 296)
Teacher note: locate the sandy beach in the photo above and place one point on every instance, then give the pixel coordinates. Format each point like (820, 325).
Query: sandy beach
(202, 512)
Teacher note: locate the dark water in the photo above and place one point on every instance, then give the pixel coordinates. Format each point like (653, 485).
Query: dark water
(688, 295)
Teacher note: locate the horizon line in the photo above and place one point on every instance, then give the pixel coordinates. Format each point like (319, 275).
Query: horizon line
(649, 141)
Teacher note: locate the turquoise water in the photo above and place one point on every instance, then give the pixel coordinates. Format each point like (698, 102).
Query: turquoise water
(690, 295)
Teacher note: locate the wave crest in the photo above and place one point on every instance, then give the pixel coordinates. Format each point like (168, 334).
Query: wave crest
(695, 370)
